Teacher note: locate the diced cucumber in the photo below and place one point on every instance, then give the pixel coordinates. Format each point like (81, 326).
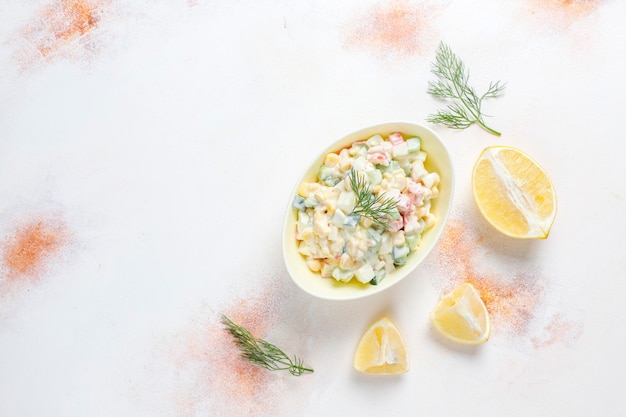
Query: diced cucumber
(378, 277)
(358, 149)
(393, 166)
(298, 203)
(400, 261)
(343, 274)
(414, 144)
(375, 239)
(374, 176)
(331, 181)
(374, 236)
(324, 173)
(394, 214)
(399, 253)
(351, 221)
(310, 201)
(405, 164)
(412, 240)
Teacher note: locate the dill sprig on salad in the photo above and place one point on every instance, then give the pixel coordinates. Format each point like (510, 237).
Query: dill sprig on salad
(377, 208)
(365, 213)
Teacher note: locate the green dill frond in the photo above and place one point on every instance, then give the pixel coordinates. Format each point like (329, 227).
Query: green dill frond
(378, 208)
(453, 84)
(261, 352)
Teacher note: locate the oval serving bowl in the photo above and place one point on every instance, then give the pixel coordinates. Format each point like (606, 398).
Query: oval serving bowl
(438, 160)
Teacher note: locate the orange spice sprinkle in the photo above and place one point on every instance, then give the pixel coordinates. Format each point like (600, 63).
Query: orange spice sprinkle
(62, 28)
(560, 14)
(72, 19)
(568, 6)
(511, 297)
(560, 330)
(81, 20)
(222, 379)
(392, 28)
(26, 252)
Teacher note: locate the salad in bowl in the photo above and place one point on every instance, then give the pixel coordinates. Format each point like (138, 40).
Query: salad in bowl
(368, 210)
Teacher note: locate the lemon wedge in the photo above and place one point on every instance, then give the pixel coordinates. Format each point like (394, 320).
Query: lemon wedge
(381, 350)
(514, 193)
(461, 316)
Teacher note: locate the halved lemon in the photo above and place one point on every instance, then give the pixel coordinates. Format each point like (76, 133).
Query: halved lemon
(514, 193)
(461, 316)
(381, 350)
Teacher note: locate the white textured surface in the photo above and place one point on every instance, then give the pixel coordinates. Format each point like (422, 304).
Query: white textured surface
(168, 136)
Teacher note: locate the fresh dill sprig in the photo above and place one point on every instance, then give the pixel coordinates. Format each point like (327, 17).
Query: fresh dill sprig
(453, 83)
(263, 353)
(377, 208)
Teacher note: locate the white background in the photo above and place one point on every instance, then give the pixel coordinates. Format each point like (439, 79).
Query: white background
(166, 136)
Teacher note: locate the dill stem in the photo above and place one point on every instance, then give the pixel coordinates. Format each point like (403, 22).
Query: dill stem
(488, 129)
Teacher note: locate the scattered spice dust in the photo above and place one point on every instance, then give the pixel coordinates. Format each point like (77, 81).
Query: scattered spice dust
(392, 29)
(559, 330)
(562, 13)
(511, 297)
(28, 250)
(61, 29)
(515, 293)
(214, 378)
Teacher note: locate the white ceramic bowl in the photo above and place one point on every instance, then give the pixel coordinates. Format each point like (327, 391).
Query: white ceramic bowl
(438, 160)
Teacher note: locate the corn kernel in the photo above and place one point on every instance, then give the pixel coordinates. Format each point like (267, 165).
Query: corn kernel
(314, 265)
(308, 188)
(430, 220)
(398, 238)
(332, 159)
(346, 262)
(306, 233)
